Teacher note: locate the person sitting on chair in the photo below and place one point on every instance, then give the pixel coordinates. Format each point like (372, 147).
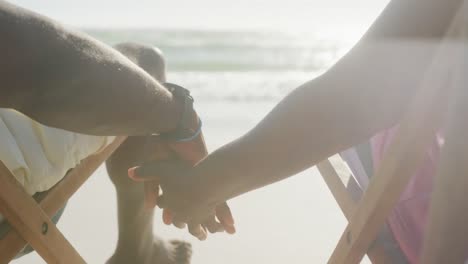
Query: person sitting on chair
(64, 79)
(365, 93)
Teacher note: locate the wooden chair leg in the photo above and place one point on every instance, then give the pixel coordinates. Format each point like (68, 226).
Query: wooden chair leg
(25, 215)
(56, 197)
(336, 176)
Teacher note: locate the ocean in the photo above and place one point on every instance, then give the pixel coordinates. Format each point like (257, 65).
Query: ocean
(236, 66)
(236, 78)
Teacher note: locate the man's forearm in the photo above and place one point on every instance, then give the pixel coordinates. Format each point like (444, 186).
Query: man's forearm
(66, 79)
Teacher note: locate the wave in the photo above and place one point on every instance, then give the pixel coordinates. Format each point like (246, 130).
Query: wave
(236, 66)
(234, 51)
(240, 86)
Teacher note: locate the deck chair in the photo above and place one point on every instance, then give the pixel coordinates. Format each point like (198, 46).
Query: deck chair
(29, 219)
(367, 216)
(402, 159)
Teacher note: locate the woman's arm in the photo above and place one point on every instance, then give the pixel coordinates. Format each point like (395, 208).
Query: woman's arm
(66, 79)
(367, 91)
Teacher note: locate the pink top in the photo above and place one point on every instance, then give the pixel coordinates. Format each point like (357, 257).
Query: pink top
(409, 216)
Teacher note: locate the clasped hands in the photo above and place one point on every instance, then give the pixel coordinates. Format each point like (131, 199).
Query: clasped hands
(184, 200)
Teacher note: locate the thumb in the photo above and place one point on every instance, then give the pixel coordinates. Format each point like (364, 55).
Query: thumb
(157, 170)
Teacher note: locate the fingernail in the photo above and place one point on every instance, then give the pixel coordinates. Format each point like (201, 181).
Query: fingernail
(231, 230)
(167, 217)
(230, 221)
(133, 174)
(203, 236)
(227, 221)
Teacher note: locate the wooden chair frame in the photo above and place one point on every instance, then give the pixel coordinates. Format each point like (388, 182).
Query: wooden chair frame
(30, 220)
(400, 162)
(340, 181)
(416, 131)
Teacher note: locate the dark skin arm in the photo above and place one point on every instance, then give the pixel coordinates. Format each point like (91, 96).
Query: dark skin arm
(365, 92)
(66, 79)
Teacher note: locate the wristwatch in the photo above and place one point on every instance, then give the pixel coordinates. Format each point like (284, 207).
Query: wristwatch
(183, 132)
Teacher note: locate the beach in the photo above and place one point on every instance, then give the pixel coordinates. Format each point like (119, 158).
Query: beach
(236, 79)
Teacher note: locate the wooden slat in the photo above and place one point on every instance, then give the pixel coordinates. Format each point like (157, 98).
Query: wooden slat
(55, 199)
(9, 249)
(337, 181)
(61, 192)
(337, 178)
(28, 219)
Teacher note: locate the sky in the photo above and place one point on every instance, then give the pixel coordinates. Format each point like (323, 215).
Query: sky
(282, 15)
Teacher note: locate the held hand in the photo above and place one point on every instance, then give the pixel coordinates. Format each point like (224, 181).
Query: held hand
(193, 151)
(188, 153)
(182, 197)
